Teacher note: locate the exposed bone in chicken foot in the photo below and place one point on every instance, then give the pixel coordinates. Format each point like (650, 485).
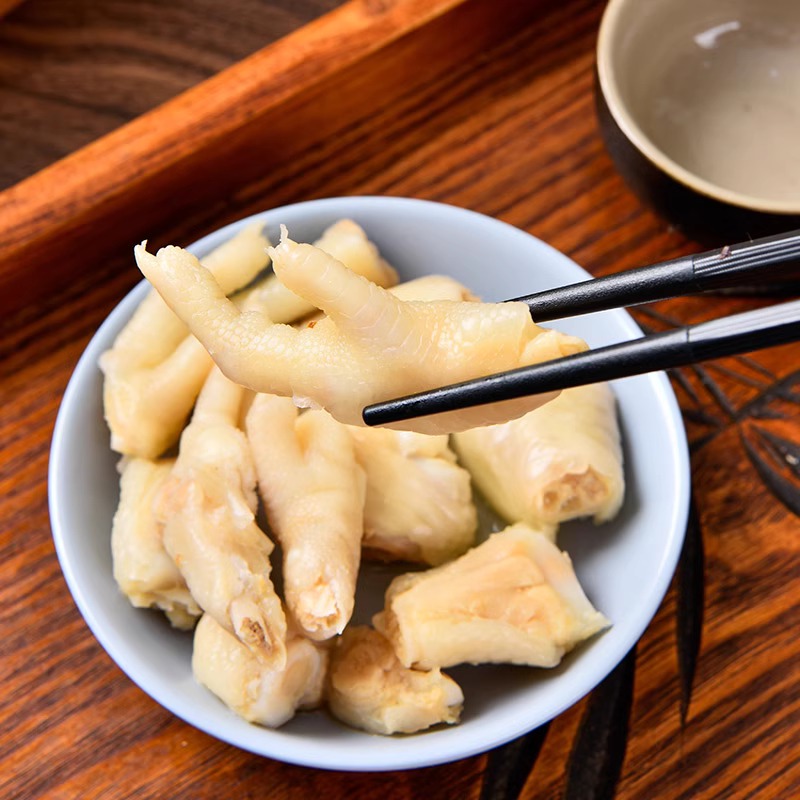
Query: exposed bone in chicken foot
(371, 346)
(208, 509)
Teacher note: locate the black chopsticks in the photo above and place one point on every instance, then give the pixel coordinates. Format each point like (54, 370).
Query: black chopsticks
(771, 260)
(740, 333)
(762, 262)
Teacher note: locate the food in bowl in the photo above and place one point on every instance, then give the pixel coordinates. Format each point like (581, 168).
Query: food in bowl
(369, 347)
(563, 462)
(441, 521)
(370, 689)
(496, 261)
(264, 651)
(143, 569)
(513, 599)
(154, 370)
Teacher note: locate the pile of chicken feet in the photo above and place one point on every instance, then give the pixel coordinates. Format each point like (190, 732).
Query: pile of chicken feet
(271, 375)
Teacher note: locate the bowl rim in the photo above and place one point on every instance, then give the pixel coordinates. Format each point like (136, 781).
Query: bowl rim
(609, 87)
(398, 753)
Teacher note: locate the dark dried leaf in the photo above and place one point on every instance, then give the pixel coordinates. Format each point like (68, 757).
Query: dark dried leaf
(740, 375)
(690, 586)
(777, 462)
(509, 765)
(748, 362)
(781, 400)
(716, 391)
(595, 762)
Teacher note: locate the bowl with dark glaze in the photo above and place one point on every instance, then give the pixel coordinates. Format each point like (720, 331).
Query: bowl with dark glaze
(699, 106)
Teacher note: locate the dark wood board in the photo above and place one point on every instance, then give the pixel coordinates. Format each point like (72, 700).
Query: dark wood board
(507, 129)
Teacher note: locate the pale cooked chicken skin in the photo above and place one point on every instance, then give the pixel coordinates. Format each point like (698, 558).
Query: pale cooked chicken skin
(345, 241)
(513, 599)
(371, 346)
(313, 493)
(370, 689)
(441, 522)
(143, 569)
(559, 462)
(267, 696)
(155, 368)
(433, 287)
(208, 510)
(419, 503)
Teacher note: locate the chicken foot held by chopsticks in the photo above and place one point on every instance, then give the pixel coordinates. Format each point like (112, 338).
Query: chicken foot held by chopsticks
(370, 347)
(313, 492)
(208, 510)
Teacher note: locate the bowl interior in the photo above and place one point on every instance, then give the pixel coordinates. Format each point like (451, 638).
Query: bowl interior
(625, 566)
(710, 91)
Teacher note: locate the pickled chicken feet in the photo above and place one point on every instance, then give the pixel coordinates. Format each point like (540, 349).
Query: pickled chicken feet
(370, 689)
(345, 241)
(433, 287)
(208, 509)
(268, 696)
(559, 462)
(371, 346)
(419, 500)
(313, 492)
(513, 599)
(142, 568)
(441, 522)
(155, 369)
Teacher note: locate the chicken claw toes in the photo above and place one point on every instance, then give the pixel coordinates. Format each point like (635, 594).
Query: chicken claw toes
(371, 346)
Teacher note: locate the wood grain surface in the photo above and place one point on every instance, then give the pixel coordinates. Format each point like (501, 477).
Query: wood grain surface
(237, 132)
(708, 705)
(74, 70)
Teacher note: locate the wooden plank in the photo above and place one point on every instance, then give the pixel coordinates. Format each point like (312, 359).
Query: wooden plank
(72, 72)
(6, 6)
(509, 132)
(231, 130)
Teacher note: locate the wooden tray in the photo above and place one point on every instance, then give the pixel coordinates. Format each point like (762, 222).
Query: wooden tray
(486, 104)
(240, 134)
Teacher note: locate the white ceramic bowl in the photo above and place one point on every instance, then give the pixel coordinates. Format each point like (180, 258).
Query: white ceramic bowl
(625, 566)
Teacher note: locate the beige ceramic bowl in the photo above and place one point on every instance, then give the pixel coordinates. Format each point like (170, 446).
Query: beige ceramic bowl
(699, 104)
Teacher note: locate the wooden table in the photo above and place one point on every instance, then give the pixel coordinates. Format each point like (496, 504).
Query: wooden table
(707, 706)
